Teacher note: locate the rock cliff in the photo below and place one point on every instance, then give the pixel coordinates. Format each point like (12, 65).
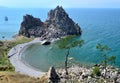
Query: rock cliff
(57, 24)
(31, 26)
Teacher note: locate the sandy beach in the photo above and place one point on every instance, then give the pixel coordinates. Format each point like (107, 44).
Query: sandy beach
(20, 67)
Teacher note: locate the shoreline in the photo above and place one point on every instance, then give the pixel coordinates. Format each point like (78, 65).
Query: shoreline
(80, 72)
(20, 66)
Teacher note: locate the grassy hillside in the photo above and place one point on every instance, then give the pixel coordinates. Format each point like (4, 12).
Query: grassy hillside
(7, 74)
(5, 46)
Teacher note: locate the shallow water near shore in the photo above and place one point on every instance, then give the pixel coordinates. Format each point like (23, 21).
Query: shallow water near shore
(98, 26)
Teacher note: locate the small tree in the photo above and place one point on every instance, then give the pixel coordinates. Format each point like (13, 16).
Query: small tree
(112, 59)
(104, 49)
(96, 71)
(67, 43)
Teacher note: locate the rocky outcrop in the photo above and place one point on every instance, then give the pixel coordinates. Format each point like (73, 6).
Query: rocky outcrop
(31, 26)
(59, 19)
(82, 74)
(52, 75)
(58, 24)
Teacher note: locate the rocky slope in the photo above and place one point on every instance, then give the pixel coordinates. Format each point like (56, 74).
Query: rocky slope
(81, 74)
(58, 24)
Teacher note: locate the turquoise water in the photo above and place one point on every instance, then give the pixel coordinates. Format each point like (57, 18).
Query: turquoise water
(15, 17)
(98, 26)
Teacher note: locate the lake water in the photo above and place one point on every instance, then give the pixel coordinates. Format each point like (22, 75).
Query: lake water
(98, 26)
(15, 17)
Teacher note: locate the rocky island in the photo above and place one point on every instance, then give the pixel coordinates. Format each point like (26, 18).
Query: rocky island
(57, 25)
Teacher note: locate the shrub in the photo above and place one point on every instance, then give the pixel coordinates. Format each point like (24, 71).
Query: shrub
(96, 71)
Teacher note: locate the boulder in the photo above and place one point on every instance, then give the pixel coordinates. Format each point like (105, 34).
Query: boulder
(1, 43)
(46, 43)
(84, 75)
(52, 75)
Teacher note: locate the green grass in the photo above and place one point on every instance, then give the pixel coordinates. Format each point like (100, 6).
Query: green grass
(5, 47)
(96, 71)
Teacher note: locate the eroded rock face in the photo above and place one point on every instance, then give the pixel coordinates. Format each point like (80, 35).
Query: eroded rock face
(59, 19)
(58, 24)
(31, 26)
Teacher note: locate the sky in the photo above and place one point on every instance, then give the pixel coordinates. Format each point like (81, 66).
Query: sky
(64, 3)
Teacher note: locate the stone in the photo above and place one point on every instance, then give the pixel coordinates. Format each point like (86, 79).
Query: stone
(6, 18)
(1, 43)
(57, 25)
(46, 43)
(52, 75)
(3, 37)
(118, 79)
(84, 75)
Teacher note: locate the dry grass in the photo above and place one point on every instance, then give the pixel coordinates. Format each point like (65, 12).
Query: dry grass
(11, 77)
(44, 79)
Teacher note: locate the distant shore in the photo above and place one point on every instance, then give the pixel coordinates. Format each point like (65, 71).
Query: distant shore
(15, 58)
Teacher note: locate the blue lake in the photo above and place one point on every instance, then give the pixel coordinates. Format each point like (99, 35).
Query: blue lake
(98, 26)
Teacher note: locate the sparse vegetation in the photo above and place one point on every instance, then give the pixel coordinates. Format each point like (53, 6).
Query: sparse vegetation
(96, 71)
(112, 59)
(104, 49)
